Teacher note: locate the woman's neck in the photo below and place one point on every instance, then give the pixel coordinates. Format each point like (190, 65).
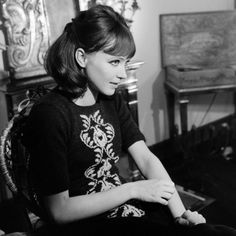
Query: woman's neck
(88, 99)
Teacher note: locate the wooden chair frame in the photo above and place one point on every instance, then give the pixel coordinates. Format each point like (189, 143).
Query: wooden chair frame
(14, 158)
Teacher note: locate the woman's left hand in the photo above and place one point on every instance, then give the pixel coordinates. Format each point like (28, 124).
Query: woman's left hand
(191, 218)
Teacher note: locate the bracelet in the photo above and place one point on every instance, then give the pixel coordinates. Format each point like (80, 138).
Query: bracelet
(176, 220)
(183, 214)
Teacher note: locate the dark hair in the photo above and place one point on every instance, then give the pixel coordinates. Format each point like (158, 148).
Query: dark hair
(98, 28)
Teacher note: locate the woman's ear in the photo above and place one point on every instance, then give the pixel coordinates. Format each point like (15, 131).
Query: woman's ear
(80, 57)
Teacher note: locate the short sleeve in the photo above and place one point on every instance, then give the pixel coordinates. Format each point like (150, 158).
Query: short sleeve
(46, 136)
(130, 132)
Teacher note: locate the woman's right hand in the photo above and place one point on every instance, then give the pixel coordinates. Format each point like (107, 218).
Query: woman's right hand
(153, 190)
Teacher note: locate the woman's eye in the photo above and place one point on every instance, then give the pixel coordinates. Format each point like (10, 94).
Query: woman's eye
(115, 62)
(127, 63)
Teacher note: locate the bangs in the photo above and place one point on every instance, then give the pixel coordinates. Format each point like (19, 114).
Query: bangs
(120, 44)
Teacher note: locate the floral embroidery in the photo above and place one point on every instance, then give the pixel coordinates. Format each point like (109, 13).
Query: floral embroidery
(98, 135)
(126, 210)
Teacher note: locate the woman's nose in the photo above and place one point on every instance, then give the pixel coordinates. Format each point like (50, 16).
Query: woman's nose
(122, 73)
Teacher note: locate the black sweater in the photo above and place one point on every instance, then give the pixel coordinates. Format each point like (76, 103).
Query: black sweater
(75, 148)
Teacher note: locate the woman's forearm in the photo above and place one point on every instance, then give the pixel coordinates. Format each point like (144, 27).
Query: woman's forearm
(152, 168)
(157, 170)
(176, 205)
(64, 209)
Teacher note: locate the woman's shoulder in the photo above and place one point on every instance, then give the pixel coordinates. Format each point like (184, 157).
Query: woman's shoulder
(51, 106)
(53, 99)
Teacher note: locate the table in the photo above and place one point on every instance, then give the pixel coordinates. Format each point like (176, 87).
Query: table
(173, 93)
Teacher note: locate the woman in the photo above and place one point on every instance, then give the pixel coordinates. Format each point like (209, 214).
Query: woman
(76, 133)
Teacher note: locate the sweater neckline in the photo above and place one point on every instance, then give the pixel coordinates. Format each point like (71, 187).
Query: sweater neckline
(63, 94)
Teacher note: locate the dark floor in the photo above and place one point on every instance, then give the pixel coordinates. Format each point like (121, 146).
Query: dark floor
(211, 174)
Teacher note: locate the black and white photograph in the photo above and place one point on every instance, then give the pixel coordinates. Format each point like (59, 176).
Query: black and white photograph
(117, 117)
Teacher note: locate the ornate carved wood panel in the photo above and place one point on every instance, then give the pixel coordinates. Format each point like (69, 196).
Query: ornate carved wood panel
(27, 36)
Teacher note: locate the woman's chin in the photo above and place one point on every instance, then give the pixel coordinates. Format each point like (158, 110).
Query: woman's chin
(109, 92)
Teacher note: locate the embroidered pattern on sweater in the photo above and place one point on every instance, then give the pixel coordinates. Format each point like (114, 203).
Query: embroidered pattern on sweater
(98, 135)
(126, 210)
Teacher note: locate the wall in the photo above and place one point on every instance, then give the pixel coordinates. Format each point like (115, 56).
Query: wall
(151, 95)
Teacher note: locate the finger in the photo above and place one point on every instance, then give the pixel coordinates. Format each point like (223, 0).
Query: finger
(201, 219)
(186, 214)
(167, 183)
(169, 189)
(196, 218)
(166, 195)
(163, 201)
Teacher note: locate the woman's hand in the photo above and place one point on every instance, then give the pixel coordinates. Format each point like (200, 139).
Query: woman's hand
(190, 218)
(154, 190)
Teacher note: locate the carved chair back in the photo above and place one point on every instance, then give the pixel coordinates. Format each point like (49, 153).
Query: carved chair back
(14, 158)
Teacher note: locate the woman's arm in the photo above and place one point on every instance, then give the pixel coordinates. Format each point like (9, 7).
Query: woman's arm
(158, 188)
(152, 168)
(65, 209)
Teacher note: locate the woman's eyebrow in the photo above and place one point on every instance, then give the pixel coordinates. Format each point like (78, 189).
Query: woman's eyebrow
(123, 58)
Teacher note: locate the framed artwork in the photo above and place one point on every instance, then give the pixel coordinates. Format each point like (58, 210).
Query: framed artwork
(29, 28)
(199, 40)
(126, 8)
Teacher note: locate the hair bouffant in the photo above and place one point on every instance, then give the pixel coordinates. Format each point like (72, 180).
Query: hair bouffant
(98, 28)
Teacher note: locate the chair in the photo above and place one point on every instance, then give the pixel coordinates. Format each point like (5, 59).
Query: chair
(14, 160)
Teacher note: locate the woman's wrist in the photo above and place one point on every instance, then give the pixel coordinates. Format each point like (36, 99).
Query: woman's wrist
(132, 190)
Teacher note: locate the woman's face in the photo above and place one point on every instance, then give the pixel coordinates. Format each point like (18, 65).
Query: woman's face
(105, 71)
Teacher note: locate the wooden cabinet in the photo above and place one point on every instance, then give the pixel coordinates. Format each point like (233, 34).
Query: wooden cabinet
(199, 56)
(12, 93)
(29, 28)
